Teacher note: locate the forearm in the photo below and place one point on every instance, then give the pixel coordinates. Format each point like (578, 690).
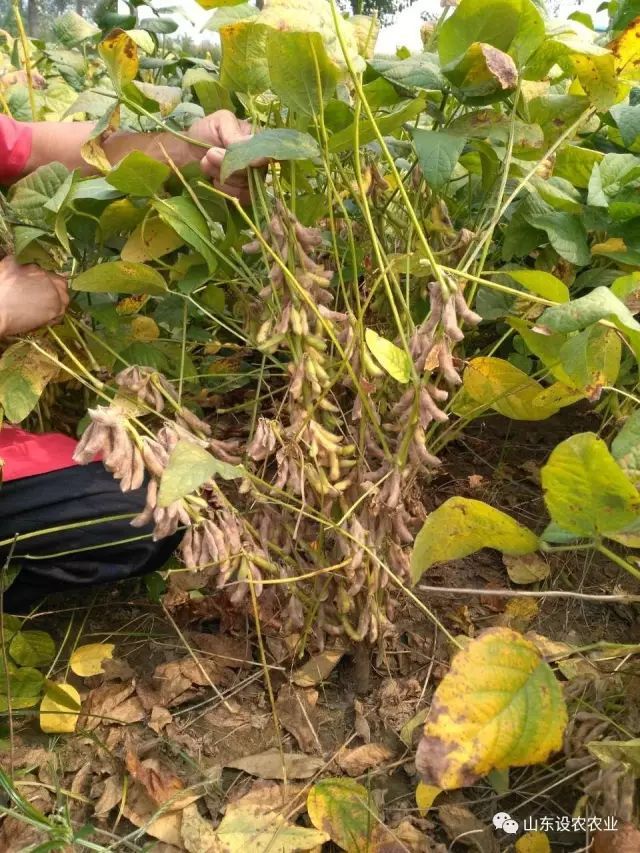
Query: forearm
(62, 143)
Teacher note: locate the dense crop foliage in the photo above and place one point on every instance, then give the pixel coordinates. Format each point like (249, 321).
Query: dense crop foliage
(438, 238)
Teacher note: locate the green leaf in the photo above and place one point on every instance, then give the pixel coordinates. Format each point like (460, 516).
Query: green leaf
(120, 277)
(626, 448)
(29, 196)
(543, 283)
(271, 144)
(586, 492)
(499, 706)
(592, 360)
(346, 811)
(345, 139)
(575, 164)
(189, 467)
(394, 360)
(438, 152)
(462, 526)
(513, 26)
(610, 176)
(139, 175)
(421, 71)
(32, 648)
(559, 193)
(182, 215)
(600, 304)
(24, 686)
(566, 234)
(302, 75)
(24, 374)
(628, 120)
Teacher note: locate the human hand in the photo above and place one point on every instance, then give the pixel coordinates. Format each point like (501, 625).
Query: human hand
(30, 297)
(220, 130)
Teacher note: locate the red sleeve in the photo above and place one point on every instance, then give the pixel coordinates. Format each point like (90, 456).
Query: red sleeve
(15, 148)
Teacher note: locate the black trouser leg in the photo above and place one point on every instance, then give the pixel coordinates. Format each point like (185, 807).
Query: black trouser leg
(82, 557)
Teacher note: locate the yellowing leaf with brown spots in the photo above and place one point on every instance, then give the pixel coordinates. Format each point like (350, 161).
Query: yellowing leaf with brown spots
(120, 54)
(144, 329)
(499, 706)
(87, 660)
(151, 240)
(626, 52)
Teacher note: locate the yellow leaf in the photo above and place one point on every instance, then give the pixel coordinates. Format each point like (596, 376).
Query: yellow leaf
(59, 709)
(345, 810)
(499, 706)
(462, 526)
(87, 660)
(533, 842)
(626, 52)
(120, 55)
(425, 796)
(144, 329)
(500, 385)
(394, 360)
(519, 613)
(152, 239)
(613, 244)
(246, 827)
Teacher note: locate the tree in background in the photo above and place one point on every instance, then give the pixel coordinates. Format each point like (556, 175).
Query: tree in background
(386, 9)
(38, 14)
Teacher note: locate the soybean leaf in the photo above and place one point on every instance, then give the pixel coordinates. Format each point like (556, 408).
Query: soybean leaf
(182, 215)
(585, 490)
(566, 234)
(24, 374)
(513, 26)
(600, 304)
(462, 526)
(482, 74)
(626, 448)
(438, 152)
(302, 75)
(270, 144)
(120, 54)
(420, 71)
(189, 467)
(152, 239)
(230, 14)
(345, 810)
(32, 648)
(29, 196)
(499, 706)
(87, 660)
(394, 360)
(244, 63)
(120, 277)
(139, 175)
(248, 827)
(59, 709)
(543, 283)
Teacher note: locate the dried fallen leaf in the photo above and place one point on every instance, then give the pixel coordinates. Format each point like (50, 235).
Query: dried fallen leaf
(269, 765)
(462, 826)
(198, 834)
(88, 660)
(405, 837)
(110, 797)
(161, 784)
(527, 568)
(225, 651)
(272, 797)
(59, 709)
(362, 727)
(296, 715)
(140, 809)
(519, 613)
(248, 829)
(626, 839)
(357, 761)
(160, 719)
(318, 668)
(111, 703)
